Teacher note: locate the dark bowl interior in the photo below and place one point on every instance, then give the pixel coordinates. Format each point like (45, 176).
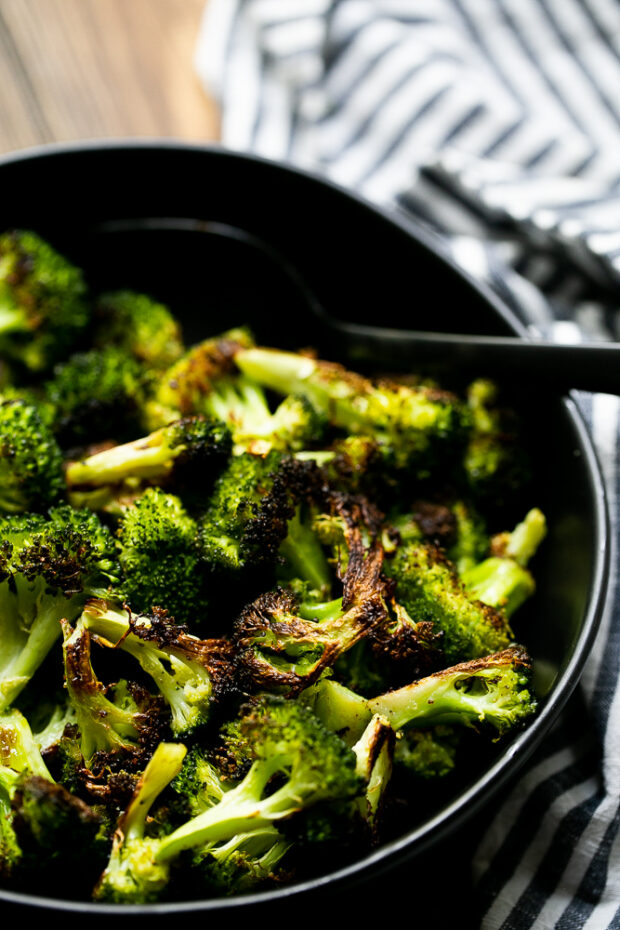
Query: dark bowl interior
(225, 240)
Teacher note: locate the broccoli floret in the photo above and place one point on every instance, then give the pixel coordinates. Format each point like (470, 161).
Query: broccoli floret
(282, 739)
(110, 719)
(182, 388)
(248, 513)
(159, 558)
(190, 673)
(285, 645)
(411, 423)
(494, 689)
(404, 648)
(495, 461)
(19, 756)
(242, 405)
(358, 464)
(184, 456)
(453, 525)
(140, 326)
(502, 580)
(244, 862)
(427, 753)
(133, 874)
(430, 591)
(97, 395)
(18, 748)
(31, 463)
(51, 822)
(198, 784)
(49, 567)
(43, 309)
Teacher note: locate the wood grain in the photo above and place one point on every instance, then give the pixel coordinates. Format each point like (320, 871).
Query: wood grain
(83, 69)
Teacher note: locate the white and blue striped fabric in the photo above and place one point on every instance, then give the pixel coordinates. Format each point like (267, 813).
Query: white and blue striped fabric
(496, 122)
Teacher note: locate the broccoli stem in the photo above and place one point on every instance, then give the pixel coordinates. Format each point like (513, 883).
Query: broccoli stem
(526, 537)
(27, 649)
(240, 810)
(501, 583)
(322, 613)
(131, 873)
(503, 580)
(284, 372)
(164, 765)
(304, 556)
(149, 457)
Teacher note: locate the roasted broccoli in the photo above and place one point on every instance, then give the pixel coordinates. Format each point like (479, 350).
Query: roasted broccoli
(159, 558)
(495, 690)
(254, 606)
(282, 739)
(430, 591)
(495, 462)
(190, 673)
(284, 644)
(140, 326)
(410, 424)
(182, 388)
(97, 396)
(502, 580)
(19, 756)
(120, 717)
(133, 874)
(31, 463)
(185, 456)
(247, 516)
(43, 303)
(49, 567)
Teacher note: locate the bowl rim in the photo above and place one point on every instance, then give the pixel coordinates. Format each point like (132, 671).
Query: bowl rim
(477, 795)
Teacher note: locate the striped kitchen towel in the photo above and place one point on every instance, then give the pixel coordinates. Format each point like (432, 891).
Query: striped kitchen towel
(496, 123)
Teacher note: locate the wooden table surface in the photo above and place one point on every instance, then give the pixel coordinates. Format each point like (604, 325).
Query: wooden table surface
(85, 69)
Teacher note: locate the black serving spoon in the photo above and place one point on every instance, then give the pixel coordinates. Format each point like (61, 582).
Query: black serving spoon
(587, 367)
(244, 274)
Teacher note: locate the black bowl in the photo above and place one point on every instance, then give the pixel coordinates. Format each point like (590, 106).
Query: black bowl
(226, 239)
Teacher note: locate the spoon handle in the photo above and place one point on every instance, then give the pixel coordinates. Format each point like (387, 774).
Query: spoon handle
(585, 367)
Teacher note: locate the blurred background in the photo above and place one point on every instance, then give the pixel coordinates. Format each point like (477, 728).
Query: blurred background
(85, 69)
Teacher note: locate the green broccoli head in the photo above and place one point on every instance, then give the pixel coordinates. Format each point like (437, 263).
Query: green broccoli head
(133, 874)
(248, 512)
(31, 463)
(280, 738)
(97, 395)
(427, 753)
(414, 425)
(430, 591)
(48, 569)
(121, 718)
(494, 690)
(198, 784)
(191, 674)
(496, 463)
(43, 308)
(140, 326)
(182, 389)
(51, 822)
(159, 558)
